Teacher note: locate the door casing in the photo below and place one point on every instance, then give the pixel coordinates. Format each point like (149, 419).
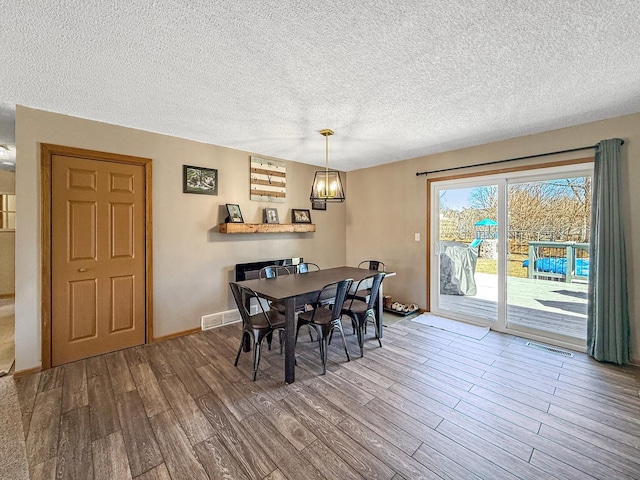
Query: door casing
(502, 272)
(47, 151)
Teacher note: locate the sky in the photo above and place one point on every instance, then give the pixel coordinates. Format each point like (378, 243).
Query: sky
(456, 199)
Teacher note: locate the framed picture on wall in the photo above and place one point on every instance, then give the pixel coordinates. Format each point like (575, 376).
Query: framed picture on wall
(199, 180)
(299, 215)
(235, 215)
(268, 180)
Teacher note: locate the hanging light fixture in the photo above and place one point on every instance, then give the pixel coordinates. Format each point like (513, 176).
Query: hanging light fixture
(327, 185)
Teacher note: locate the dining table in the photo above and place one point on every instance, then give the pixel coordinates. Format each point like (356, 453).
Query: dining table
(302, 288)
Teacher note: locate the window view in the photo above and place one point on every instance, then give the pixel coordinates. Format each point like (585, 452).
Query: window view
(468, 252)
(514, 253)
(548, 255)
(7, 211)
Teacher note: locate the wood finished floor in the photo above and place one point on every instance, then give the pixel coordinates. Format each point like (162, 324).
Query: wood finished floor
(429, 404)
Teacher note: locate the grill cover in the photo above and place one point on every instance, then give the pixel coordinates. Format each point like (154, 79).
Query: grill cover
(457, 268)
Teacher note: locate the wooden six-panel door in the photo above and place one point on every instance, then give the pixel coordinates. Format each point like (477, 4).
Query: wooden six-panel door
(97, 257)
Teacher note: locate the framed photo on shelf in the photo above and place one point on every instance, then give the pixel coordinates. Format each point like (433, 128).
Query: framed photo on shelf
(199, 180)
(271, 215)
(299, 215)
(235, 215)
(318, 205)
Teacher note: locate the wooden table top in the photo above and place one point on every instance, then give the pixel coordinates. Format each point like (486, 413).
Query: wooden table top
(287, 286)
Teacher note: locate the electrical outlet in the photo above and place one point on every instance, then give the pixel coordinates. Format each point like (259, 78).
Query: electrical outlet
(416, 237)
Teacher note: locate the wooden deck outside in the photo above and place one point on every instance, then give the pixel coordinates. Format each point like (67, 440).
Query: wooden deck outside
(550, 306)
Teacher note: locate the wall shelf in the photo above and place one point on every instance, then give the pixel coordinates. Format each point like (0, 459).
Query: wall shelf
(266, 227)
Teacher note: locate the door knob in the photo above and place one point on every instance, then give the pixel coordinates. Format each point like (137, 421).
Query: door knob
(81, 270)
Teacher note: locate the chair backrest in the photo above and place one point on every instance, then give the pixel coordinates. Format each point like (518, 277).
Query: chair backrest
(242, 296)
(372, 265)
(341, 289)
(273, 271)
(376, 281)
(306, 267)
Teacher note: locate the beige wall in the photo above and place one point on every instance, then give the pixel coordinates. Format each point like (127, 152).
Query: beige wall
(382, 226)
(192, 263)
(7, 181)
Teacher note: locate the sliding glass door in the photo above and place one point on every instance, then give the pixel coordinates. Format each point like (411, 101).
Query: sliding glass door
(510, 251)
(548, 237)
(465, 251)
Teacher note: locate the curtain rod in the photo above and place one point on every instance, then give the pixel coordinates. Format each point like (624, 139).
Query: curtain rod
(510, 159)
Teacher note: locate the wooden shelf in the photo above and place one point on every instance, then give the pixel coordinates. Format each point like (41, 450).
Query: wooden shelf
(266, 227)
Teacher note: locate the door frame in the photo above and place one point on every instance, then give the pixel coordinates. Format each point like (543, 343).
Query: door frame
(47, 151)
(480, 174)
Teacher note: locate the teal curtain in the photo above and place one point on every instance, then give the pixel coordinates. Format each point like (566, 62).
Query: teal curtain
(608, 329)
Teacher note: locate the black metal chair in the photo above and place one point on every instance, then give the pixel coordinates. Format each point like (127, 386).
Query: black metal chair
(376, 265)
(273, 271)
(307, 267)
(258, 326)
(324, 320)
(362, 311)
(372, 265)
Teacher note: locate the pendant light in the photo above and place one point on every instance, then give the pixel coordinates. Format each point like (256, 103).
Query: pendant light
(327, 185)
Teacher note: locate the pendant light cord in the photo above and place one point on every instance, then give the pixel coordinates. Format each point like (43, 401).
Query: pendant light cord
(326, 165)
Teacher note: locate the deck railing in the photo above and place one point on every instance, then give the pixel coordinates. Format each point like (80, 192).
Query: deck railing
(563, 261)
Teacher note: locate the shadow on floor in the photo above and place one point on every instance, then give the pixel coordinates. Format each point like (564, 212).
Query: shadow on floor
(572, 307)
(569, 293)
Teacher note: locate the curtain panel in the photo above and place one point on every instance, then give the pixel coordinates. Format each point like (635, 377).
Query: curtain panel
(608, 330)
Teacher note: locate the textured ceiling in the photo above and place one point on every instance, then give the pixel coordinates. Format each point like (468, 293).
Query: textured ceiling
(394, 79)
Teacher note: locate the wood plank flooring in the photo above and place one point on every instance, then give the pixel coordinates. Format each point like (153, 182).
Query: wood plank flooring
(429, 404)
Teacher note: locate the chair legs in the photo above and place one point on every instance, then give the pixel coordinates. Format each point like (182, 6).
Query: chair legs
(361, 329)
(269, 338)
(256, 358)
(235, 364)
(256, 353)
(324, 339)
(375, 327)
(338, 326)
(322, 345)
(257, 348)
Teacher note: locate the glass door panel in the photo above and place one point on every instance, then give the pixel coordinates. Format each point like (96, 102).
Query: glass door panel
(465, 282)
(548, 264)
(510, 251)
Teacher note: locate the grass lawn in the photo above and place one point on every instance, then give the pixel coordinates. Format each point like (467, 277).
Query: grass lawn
(514, 266)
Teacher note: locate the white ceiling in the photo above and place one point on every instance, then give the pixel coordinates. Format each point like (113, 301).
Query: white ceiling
(394, 79)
